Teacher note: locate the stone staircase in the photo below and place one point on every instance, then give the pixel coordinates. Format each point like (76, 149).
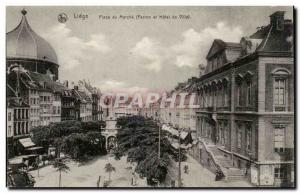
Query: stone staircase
(225, 164)
(234, 174)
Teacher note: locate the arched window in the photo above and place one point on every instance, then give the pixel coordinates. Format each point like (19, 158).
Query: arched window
(214, 90)
(239, 95)
(280, 89)
(249, 90)
(220, 94)
(225, 92)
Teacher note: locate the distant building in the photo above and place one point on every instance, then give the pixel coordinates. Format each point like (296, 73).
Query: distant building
(17, 124)
(85, 105)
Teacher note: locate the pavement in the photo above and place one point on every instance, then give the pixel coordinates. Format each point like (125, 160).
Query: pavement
(198, 176)
(87, 175)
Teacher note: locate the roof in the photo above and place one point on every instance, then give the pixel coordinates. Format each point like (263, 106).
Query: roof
(277, 36)
(219, 45)
(17, 102)
(23, 42)
(275, 40)
(82, 96)
(50, 84)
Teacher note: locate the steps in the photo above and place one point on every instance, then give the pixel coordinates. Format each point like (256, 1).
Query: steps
(225, 163)
(234, 174)
(219, 157)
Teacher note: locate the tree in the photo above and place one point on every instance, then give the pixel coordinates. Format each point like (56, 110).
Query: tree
(109, 168)
(61, 167)
(75, 138)
(138, 137)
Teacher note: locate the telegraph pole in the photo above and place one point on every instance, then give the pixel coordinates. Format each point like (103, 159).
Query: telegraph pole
(159, 127)
(179, 159)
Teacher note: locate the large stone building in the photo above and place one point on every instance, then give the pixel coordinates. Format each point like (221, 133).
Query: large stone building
(245, 123)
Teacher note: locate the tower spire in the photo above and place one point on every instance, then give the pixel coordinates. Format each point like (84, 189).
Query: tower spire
(24, 12)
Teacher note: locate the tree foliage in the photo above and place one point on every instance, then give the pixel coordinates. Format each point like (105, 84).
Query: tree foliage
(75, 138)
(138, 137)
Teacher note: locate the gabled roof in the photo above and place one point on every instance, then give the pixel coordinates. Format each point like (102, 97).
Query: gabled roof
(16, 102)
(82, 96)
(49, 83)
(219, 45)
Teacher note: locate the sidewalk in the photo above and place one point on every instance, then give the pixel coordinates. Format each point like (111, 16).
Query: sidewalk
(199, 176)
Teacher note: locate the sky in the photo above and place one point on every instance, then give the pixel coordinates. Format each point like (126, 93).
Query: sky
(139, 54)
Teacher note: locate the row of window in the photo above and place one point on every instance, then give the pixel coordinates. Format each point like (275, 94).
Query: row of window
(56, 110)
(20, 128)
(280, 173)
(45, 99)
(34, 111)
(87, 118)
(33, 92)
(217, 97)
(68, 104)
(34, 123)
(85, 108)
(34, 101)
(57, 98)
(20, 114)
(244, 134)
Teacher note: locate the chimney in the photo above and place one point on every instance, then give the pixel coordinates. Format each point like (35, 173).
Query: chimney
(66, 83)
(201, 69)
(277, 20)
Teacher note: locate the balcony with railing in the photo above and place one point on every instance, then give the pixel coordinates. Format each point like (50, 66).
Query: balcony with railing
(245, 108)
(227, 108)
(281, 108)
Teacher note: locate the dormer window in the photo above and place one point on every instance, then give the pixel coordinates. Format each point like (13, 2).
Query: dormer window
(280, 24)
(277, 20)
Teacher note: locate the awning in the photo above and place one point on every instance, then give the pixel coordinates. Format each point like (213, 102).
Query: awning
(174, 132)
(16, 160)
(34, 148)
(195, 142)
(176, 146)
(26, 142)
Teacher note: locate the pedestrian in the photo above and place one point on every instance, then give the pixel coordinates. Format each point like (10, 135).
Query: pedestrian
(186, 169)
(98, 182)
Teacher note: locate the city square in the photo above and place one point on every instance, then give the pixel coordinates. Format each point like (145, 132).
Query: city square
(118, 108)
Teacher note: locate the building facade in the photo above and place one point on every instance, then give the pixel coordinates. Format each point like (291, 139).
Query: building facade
(246, 99)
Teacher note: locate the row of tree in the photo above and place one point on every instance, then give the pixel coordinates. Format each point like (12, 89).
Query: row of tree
(74, 138)
(138, 138)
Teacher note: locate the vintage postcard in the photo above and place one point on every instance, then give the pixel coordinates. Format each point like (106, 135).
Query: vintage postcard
(150, 97)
